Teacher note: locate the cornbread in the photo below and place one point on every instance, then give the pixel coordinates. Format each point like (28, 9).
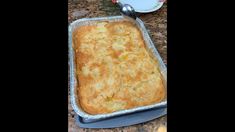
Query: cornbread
(114, 69)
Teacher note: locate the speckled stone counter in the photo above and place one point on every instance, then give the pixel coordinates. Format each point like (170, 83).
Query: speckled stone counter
(156, 24)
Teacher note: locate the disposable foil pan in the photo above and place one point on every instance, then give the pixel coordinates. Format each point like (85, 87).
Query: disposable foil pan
(73, 77)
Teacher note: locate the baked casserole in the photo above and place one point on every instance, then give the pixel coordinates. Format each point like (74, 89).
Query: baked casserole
(114, 69)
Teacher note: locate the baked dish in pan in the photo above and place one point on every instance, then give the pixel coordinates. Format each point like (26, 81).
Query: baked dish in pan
(114, 69)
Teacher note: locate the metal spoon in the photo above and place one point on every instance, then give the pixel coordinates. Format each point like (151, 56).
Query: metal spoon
(126, 9)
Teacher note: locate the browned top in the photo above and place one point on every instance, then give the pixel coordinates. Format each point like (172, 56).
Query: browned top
(115, 71)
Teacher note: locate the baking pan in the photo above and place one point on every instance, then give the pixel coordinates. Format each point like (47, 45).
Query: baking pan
(123, 120)
(73, 77)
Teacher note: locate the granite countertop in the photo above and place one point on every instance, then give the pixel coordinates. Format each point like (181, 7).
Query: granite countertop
(156, 24)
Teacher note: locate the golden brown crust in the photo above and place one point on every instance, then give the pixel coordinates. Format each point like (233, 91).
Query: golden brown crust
(114, 69)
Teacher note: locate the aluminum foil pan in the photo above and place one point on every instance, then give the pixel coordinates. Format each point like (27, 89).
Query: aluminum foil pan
(73, 77)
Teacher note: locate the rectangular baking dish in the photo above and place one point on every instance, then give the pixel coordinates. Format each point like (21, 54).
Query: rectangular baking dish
(73, 78)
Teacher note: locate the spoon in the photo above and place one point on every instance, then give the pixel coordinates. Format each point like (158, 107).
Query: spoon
(126, 9)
